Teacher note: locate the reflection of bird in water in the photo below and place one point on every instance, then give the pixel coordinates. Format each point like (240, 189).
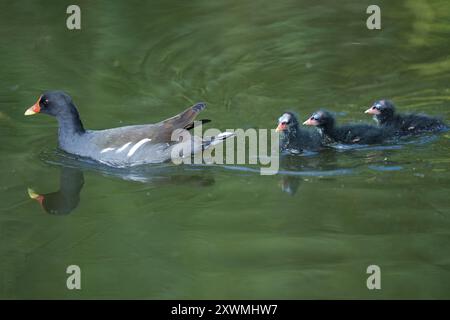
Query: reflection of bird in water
(299, 167)
(67, 197)
(290, 184)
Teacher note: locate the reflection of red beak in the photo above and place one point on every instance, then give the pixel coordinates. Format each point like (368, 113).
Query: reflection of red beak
(281, 127)
(35, 196)
(311, 122)
(372, 110)
(35, 108)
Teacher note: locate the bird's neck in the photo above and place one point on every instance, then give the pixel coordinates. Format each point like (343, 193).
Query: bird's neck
(290, 137)
(384, 118)
(327, 128)
(328, 132)
(69, 125)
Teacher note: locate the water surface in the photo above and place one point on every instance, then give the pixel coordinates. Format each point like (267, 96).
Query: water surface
(168, 231)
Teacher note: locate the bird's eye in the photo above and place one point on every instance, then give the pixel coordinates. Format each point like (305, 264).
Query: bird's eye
(284, 123)
(44, 102)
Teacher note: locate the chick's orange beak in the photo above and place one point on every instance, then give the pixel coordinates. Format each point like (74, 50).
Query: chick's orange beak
(372, 110)
(281, 127)
(35, 108)
(311, 122)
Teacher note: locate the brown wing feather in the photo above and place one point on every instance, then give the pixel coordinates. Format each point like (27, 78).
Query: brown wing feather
(180, 121)
(160, 132)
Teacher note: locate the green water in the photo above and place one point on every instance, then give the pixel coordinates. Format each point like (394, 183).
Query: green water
(170, 231)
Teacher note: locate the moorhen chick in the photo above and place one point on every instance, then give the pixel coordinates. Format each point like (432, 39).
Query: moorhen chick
(122, 146)
(346, 134)
(384, 114)
(294, 139)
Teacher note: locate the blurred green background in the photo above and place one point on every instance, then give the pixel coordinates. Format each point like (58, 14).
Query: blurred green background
(209, 232)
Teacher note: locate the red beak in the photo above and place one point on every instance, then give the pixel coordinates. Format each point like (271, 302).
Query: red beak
(35, 108)
(35, 196)
(372, 110)
(311, 122)
(281, 127)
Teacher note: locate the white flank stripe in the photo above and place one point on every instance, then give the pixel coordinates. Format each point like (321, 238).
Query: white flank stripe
(137, 146)
(123, 147)
(107, 149)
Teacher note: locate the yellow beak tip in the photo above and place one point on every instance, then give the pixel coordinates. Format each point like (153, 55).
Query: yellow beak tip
(29, 112)
(32, 194)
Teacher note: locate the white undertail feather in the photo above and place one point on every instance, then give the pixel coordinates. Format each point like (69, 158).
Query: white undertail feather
(225, 135)
(219, 138)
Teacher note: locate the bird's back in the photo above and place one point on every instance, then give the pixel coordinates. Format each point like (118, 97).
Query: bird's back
(359, 133)
(413, 123)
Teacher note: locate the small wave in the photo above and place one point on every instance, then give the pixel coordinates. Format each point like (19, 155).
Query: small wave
(364, 147)
(386, 168)
(309, 173)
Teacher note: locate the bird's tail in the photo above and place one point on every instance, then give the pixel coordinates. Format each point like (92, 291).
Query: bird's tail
(209, 142)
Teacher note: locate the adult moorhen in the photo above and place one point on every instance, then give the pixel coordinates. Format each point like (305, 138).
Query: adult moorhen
(123, 146)
(346, 134)
(294, 139)
(384, 114)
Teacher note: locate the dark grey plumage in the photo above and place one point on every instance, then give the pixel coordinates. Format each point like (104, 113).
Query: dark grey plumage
(346, 134)
(123, 146)
(294, 139)
(385, 115)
